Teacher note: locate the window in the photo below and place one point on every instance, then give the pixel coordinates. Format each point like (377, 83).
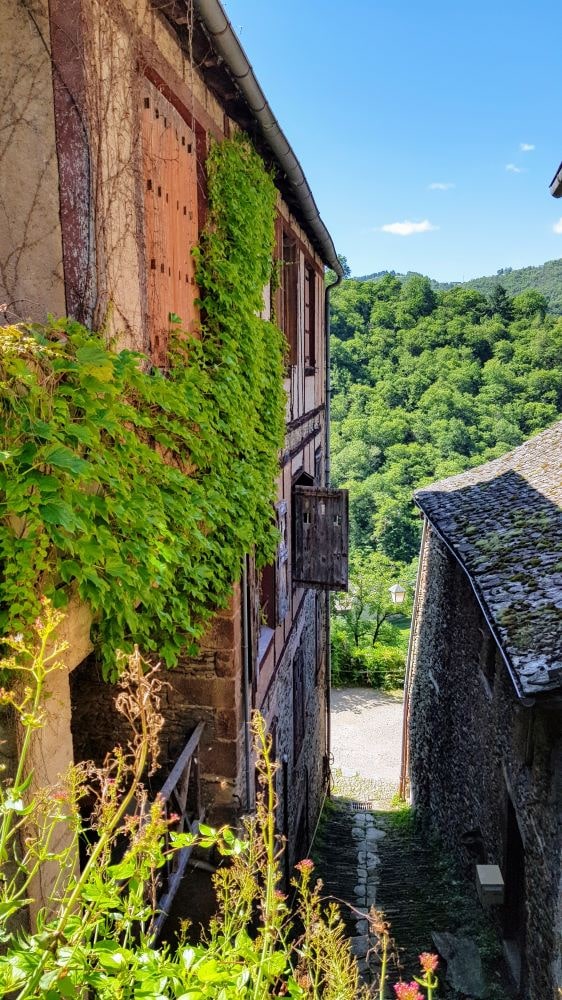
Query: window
(318, 477)
(274, 584)
(282, 563)
(171, 221)
(309, 319)
(288, 294)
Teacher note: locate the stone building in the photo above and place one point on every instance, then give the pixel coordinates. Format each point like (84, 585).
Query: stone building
(93, 90)
(484, 694)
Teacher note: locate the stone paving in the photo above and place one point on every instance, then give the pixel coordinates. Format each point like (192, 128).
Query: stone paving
(368, 853)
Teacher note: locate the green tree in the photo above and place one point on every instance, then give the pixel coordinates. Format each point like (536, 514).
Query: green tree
(501, 304)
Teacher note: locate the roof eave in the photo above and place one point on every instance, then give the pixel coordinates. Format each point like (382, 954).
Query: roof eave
(556, 184)
(225, 42)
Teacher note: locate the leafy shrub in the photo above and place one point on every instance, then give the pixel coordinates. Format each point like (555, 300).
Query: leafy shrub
(95, 939)
(137, 490)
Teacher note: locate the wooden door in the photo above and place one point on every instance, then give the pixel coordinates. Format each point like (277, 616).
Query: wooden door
(170, 214)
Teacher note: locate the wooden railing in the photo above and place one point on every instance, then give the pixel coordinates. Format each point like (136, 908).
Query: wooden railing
(180, 796)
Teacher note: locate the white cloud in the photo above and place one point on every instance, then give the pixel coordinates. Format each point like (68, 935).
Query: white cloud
(557, 227)
(440, 186)
(527, 147)
(512, 169)
(408, 228)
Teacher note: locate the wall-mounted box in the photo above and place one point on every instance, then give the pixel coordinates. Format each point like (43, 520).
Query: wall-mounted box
(489, 884)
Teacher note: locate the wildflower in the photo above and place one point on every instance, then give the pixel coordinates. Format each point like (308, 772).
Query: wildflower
(305, 866)
(429, 961)
(407, 991)
(280, 895)
(174, 818)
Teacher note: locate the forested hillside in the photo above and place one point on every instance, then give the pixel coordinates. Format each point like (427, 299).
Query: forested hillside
(426, 384)
(546, 279)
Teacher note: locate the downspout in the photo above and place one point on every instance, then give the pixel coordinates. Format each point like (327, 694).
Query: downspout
(246, 654)
(327, 474)
(226, 44)
(408, 679)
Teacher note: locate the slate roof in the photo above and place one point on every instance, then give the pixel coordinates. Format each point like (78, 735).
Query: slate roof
(503, 521)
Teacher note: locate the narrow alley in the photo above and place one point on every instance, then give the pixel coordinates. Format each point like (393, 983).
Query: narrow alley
(369, 853)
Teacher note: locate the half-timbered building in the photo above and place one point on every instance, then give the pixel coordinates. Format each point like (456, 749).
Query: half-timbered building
(112, 107)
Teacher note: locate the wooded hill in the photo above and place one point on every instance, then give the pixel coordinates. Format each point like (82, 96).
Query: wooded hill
(546, 279)
(428, 383)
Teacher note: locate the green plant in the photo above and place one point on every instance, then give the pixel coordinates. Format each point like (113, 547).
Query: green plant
(140, 491)
(95, 940)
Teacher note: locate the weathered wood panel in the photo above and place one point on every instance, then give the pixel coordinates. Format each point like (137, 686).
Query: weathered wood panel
(171, 225)
(320, 537)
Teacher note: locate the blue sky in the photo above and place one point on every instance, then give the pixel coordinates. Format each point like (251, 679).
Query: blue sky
(381, 99)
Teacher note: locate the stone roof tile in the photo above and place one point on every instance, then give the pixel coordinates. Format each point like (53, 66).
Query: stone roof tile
(503, 520)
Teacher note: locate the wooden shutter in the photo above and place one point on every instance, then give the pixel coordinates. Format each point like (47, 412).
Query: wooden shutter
(289, 295)
(320, 537)
(282, 570)
(309, 317)
(171, 225)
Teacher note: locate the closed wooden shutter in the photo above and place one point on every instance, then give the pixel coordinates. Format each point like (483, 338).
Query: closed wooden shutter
(171, 224)
(320, 519)
(309, 318)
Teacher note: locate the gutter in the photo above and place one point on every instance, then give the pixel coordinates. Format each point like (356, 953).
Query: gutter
(527, 700)
(555, 186)
(226, 44)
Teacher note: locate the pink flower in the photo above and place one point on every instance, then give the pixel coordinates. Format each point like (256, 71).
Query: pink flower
(306, 865)
(408, 991)
(429, 961)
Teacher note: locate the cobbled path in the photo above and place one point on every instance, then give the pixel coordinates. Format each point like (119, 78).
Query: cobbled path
(369, 854)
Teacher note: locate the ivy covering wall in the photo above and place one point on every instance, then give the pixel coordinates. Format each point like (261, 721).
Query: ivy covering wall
(140, 491)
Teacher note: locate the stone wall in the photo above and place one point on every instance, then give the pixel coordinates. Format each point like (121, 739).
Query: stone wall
(474, 748)
(205, 689)
(208, 688)
(304, 770)
(31, 279)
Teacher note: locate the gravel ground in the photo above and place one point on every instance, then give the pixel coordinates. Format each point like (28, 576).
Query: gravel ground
(366, 743)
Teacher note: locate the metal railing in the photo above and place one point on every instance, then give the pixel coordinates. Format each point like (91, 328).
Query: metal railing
(179, 796)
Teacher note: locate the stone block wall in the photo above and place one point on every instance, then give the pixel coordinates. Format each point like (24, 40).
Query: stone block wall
(205, 689)
(474, 748)
(305, 766)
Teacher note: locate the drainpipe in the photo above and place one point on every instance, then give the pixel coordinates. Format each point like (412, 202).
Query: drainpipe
(246, 654)
(327, 471)
(226, 44)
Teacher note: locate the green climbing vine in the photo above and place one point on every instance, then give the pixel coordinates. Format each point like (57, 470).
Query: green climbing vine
(136, 490)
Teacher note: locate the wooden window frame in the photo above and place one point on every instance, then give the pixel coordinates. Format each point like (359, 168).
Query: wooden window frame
(310, 317)
(289, 293)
